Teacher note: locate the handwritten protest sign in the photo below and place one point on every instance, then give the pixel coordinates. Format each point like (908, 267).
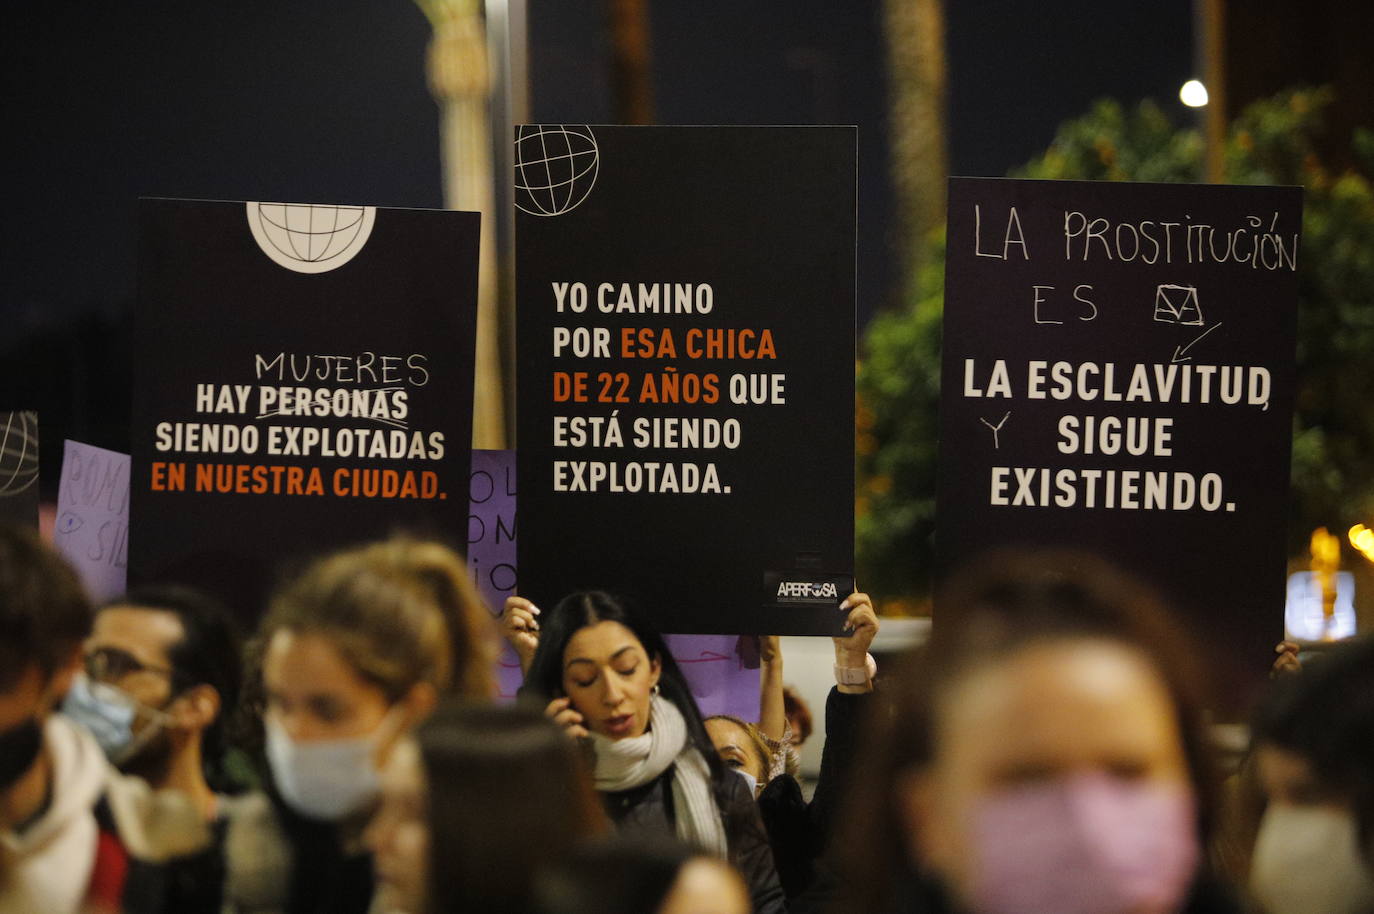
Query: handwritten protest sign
(1118, 376)
(92, 528)
(303, 381)
(491, 546)
(720, 681)
(491, 525)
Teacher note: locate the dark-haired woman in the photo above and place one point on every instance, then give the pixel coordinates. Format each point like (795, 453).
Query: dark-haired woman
(465, 798)
(1044, 755)
(651, 876)
(609, 678)
(1314, 751)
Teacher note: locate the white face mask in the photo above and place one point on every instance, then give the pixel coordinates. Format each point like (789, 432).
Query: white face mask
(326, 779)
(1307, 859)
(749, 779)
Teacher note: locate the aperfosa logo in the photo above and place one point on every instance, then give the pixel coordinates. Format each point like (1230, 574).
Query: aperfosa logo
(805, 587)
(807, 590)
(308, 237)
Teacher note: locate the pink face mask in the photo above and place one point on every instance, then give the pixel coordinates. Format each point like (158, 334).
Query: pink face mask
(1084, 844)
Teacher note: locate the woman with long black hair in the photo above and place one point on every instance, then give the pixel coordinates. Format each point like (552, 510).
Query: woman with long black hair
(608, 678)
(464, 798)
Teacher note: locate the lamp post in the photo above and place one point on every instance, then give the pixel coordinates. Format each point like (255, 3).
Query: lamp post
(460, 82)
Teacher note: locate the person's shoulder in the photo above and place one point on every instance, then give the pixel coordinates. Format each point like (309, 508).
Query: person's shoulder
(251, 823)
(79, 766)
(782, 792)
(250, 806)
(154, 825)
(257, 853)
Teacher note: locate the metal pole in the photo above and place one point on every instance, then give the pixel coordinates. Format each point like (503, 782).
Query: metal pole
(508, 42)
(1209, 55)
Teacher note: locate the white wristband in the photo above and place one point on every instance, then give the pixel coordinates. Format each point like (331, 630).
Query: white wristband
(849, 675)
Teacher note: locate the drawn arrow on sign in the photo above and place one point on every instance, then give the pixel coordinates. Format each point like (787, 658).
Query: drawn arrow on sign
(704, 657)
(1179, 350)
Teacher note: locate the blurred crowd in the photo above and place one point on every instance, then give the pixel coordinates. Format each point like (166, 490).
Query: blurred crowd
(1047, 751)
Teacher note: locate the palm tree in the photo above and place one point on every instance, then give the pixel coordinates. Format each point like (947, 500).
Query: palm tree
(915, 31)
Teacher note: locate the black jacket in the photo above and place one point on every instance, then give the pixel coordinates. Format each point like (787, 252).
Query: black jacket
(798, 831)
(279, 862)
(187, 884)
(649, 810)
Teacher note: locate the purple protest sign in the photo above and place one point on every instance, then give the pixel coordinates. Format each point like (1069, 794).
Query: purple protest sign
(491, 545)
(491, 525)
(92, 528)
(509, 677)
(719, 680)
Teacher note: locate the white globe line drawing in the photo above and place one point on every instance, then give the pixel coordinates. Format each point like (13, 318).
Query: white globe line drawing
(310, 234)
(307, 237)
(9, 486)
(579, 159)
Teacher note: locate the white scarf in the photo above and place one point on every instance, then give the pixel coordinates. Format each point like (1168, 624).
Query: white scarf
(635, 761)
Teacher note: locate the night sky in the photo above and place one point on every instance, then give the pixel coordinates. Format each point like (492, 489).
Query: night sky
(325, 100)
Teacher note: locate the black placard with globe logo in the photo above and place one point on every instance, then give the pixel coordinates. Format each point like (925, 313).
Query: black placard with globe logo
(303, 381)
(685, 353)
(310, 238)
(555, 168)
(19, 467)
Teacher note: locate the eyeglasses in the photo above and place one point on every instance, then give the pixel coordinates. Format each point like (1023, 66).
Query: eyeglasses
(111, 664)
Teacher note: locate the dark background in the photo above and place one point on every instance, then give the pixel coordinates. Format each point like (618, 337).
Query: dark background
(325, 100)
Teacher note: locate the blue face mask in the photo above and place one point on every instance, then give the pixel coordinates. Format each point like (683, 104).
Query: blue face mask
(749, 779)
(109, 714)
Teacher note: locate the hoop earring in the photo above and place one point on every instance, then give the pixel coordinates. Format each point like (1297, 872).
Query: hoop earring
(654, 691)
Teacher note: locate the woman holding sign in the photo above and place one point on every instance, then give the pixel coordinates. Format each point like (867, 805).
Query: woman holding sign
(356, 652)
(610, 679)
(799, 830)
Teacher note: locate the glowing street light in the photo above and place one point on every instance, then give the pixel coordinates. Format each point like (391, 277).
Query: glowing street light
(1362, 538)
(1193, 94)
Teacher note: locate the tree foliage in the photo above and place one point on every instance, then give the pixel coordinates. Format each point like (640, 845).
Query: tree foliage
(1273, 142)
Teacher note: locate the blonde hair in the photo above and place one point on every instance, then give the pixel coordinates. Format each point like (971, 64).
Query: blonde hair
(756, 742)
(400, 612)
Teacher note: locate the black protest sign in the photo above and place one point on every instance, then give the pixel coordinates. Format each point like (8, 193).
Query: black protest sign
(1118, 376)
(303, 380)
(19, 468)
(686, 359)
